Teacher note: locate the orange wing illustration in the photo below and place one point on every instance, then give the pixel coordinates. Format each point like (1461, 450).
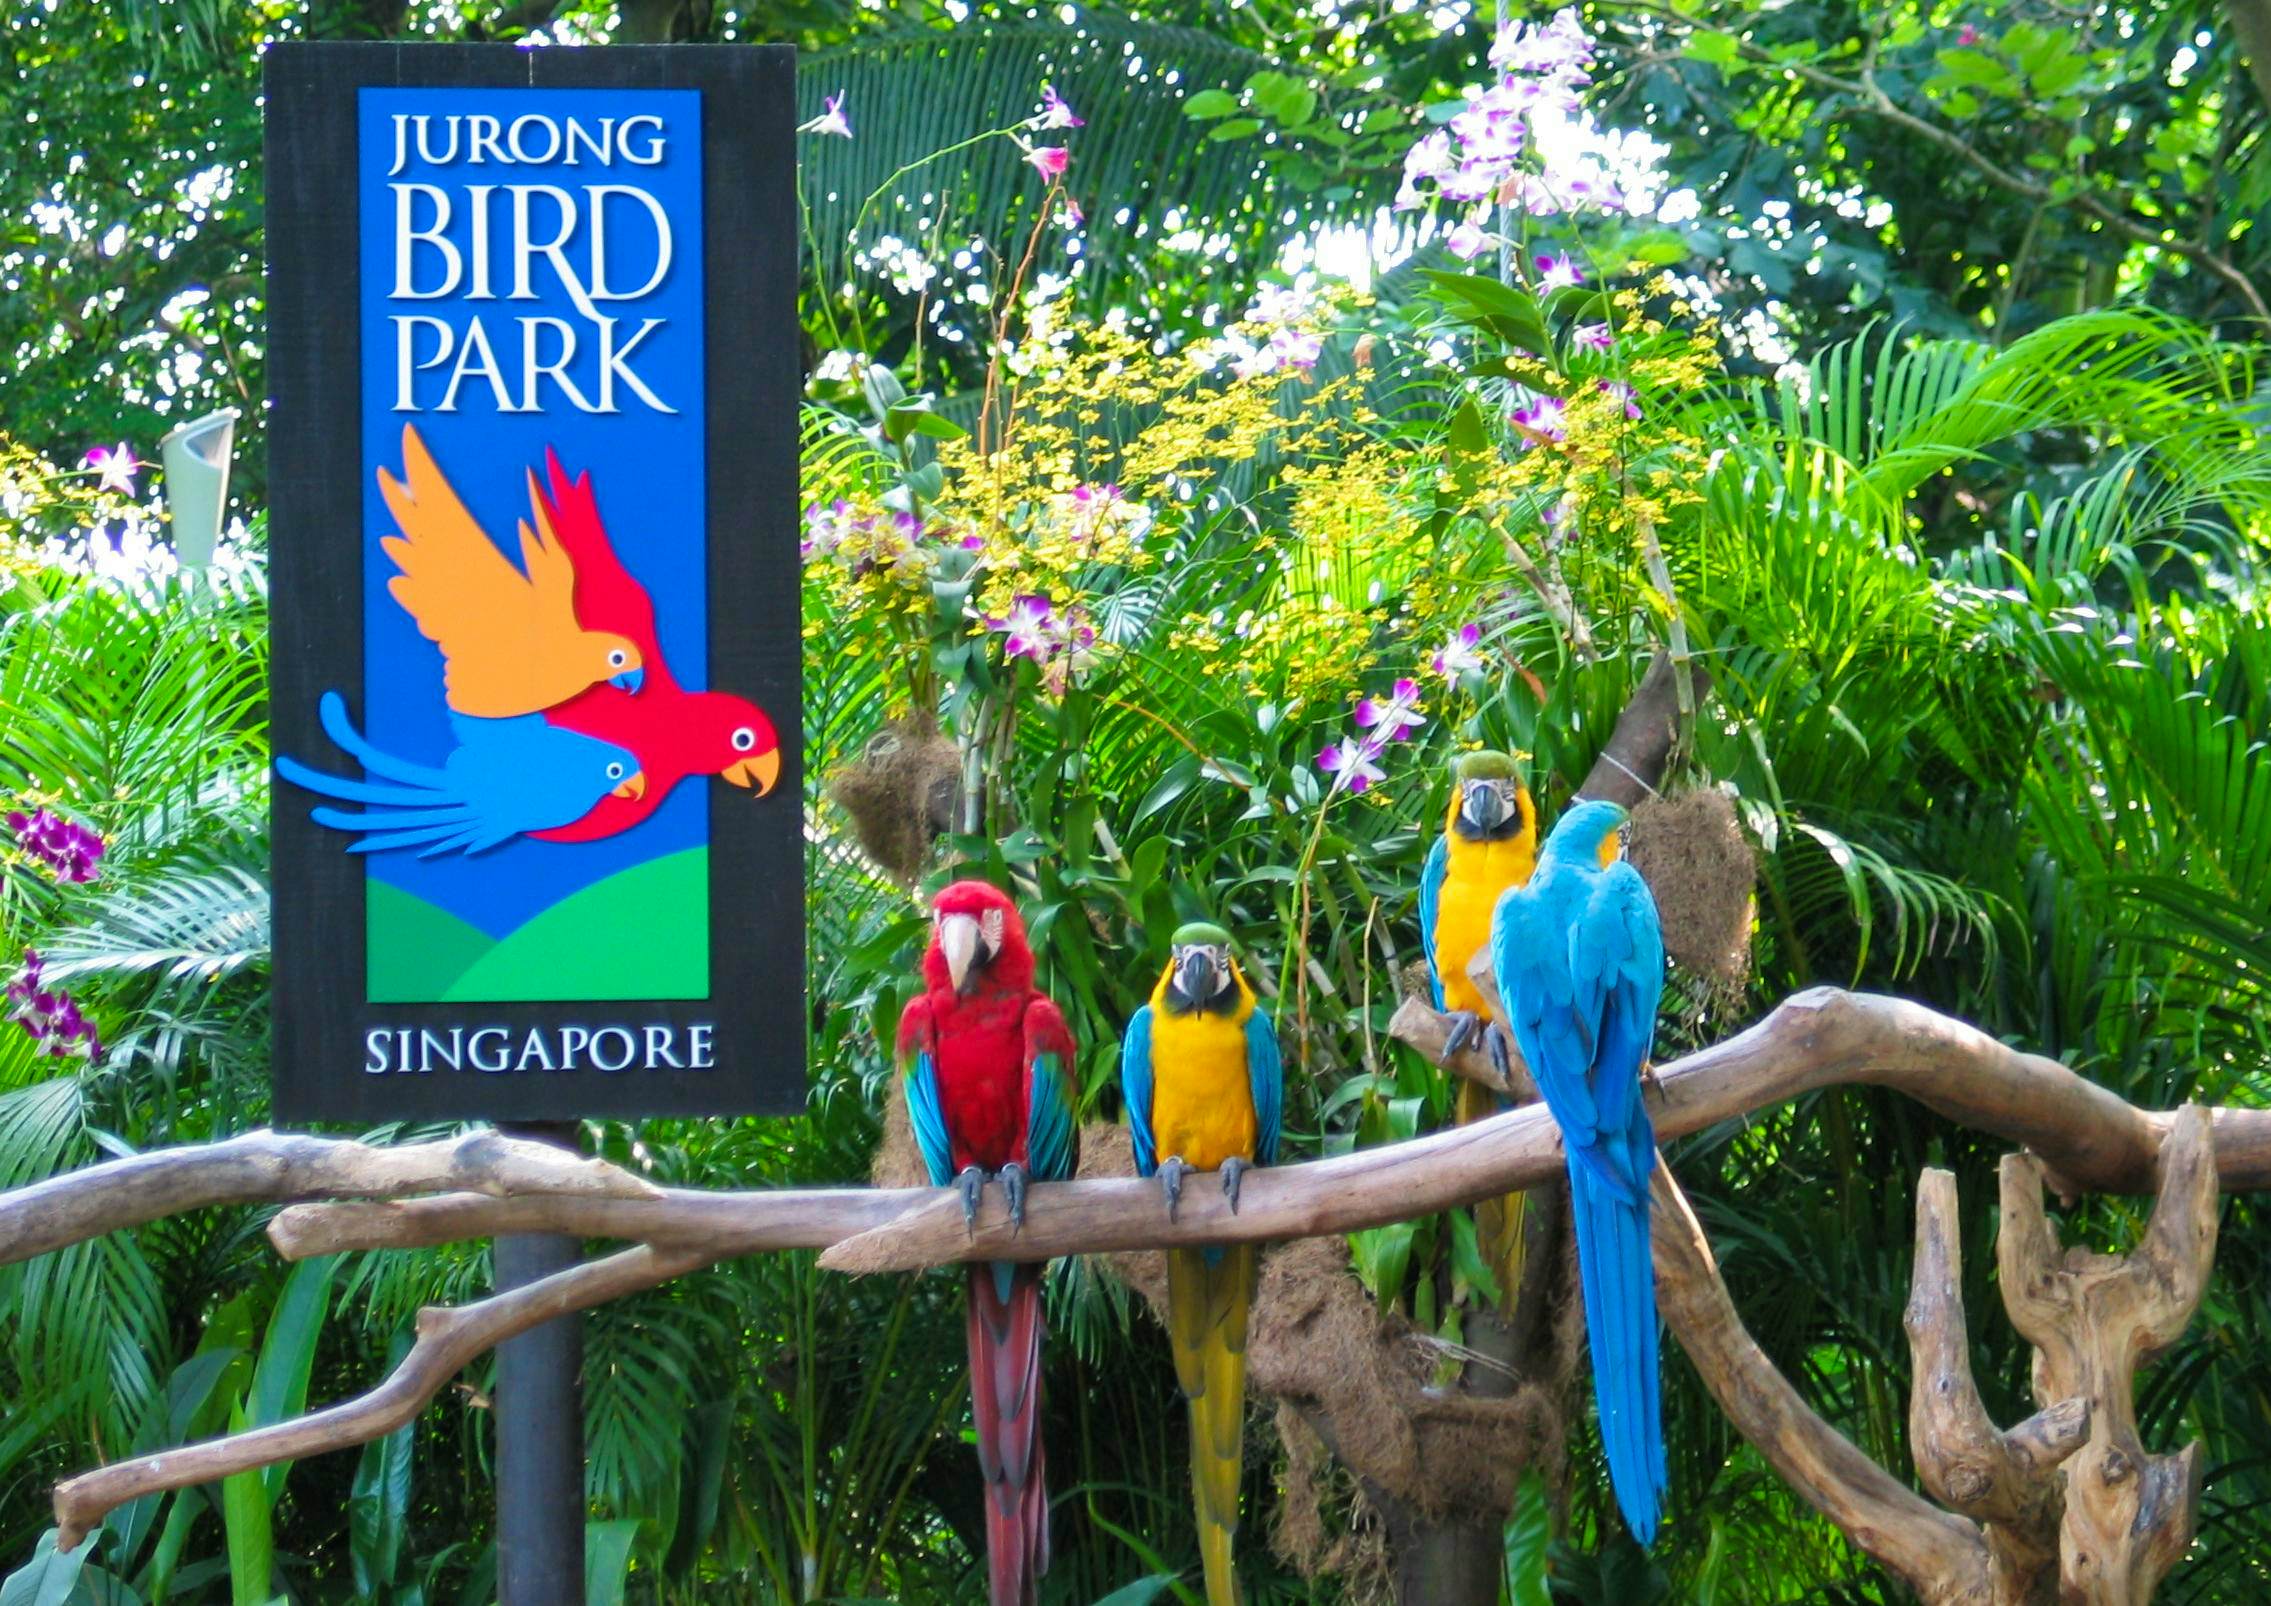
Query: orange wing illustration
(509, 636)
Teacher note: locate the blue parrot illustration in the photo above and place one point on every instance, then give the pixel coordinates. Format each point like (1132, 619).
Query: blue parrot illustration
(504, 778)
(1579, 957)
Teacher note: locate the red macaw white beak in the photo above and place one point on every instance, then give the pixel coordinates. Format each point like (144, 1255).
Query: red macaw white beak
(760, 770)
(634, 788)
(958, 941)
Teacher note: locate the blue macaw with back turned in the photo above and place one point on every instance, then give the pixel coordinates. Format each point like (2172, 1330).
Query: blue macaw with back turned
(1579, 957)
(989, 1064)
(1204, 1086)
(505, 778)
(1489, 843)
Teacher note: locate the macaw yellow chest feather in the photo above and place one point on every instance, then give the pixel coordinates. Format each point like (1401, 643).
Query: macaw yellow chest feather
(1476, 874)
(1202, 1093)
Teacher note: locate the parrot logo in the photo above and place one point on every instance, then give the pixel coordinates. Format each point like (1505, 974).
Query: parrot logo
(567, 721)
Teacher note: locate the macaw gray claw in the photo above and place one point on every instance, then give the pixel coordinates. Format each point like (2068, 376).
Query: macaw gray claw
(1013, 1185)
(970, 1184)
(1464, 1024)
(1233, 1171)
(1172, 1171)
(1648, 1078)
(1501, 1054)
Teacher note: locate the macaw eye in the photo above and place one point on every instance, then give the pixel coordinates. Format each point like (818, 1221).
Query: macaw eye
(744, 739)
(615, 772)
(618, 658)
(990, 924)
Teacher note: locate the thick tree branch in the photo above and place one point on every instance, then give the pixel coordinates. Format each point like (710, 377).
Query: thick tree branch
(1822, 1038)
(2004, 1480)
(448, 1337)
(1942, 1557)
(270, 1167)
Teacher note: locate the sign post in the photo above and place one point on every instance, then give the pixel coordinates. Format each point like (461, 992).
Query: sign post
(538, 847)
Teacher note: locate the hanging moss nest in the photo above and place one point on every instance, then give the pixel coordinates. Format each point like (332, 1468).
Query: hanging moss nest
(901, 793)
(1691, 850)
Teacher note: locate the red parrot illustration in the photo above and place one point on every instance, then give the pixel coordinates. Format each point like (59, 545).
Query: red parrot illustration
(674, 732)
(990, 1072)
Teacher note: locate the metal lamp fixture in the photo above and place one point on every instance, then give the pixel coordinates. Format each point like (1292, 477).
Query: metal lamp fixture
(196, 459)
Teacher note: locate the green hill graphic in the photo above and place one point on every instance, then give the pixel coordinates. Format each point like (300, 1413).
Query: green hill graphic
(644, 932)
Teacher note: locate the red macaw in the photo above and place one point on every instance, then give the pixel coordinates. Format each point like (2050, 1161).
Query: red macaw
(674, 732)
(989, 1066)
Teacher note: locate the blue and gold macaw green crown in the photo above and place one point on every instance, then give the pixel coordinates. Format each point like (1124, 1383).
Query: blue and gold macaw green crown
(1485, 764)
(1199, 931)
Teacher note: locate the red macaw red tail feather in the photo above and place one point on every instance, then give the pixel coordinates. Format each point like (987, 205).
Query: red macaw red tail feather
(1209, 1295)
(1005, 1326)
(1499, 1222)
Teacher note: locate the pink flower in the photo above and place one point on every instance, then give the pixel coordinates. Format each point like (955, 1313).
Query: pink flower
(831, 121)
(1050, 161)
(1619, 390)
(1394, 719)
(51, 1016)
(1969, 35)
(826, 527)
(1297, 348)
(68, 849)
(117, 467)
(1559, 272)
(1592, 336)
(1465, 241)
(1352, 764)
(1543, 418)
(1457, 656)
(1027, 627)
(1054, 112)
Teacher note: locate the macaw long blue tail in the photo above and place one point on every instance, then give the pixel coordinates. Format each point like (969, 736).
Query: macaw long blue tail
(347, 791)
(1619, 1277)
(332, 710)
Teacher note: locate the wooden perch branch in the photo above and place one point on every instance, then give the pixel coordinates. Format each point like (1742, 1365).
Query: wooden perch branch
(448, 1337)
(267, 1167)
(2094, 1320)
(1942, 1557)
(1818, 1039)
(2008, 1481)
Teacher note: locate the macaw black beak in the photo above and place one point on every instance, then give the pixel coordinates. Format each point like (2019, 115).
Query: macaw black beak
(958, 941)
(1482, 808)
(630, 680)
(1194, 976)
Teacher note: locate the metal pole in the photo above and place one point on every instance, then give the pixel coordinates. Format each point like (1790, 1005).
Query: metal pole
(540, 1425)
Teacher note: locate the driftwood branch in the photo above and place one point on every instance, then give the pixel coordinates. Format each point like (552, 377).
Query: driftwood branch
(271, 1167)
(1823, 1038)
(1942, 1557)
(2094, 1320)
(2007, 1481)
(448, 1338)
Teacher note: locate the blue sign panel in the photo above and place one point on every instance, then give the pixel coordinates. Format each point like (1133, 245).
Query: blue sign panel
(568, 712)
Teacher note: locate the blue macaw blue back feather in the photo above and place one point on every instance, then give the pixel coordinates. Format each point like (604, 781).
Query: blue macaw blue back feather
(505, 777)
(1265, 1071)
(1135, 1088)
(1430, 901)
(929, 1119)
(1579, 958)
(1051, 1134)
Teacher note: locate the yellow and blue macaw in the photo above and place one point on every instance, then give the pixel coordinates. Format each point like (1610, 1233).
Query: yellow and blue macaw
(1204, 1086)
(1489, 843)
(1579, 957)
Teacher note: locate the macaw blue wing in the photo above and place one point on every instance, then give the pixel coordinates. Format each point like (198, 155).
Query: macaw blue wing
(1051, 1134)
(1135, 1089)
(1266, 1071)
(1430, 900)
(928, 1117)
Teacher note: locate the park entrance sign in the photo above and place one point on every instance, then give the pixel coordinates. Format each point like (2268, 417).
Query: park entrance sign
(538, 847)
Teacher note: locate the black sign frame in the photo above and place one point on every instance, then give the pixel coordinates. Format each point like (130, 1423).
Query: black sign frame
(756, 1011)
